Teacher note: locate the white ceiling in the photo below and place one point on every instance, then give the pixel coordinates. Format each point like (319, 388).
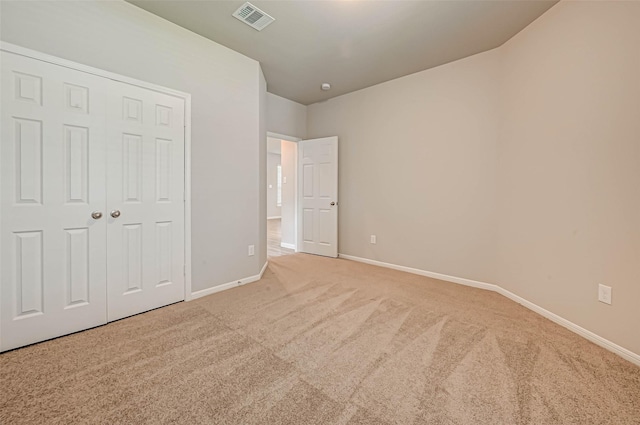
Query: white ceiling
(352, 44)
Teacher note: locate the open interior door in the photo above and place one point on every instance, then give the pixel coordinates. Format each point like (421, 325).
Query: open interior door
(318, 196)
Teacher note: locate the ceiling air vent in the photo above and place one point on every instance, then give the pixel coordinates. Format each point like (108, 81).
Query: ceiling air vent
(251, 15)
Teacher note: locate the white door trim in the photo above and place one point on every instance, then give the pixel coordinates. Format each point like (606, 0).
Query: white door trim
(12, 48)
(283, 137)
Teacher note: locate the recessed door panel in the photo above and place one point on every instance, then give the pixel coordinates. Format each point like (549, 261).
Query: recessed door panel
(325, 180)
(308, 225)
(163, 170)
(131, 109)
(29, 274)
(28, 88)
(307, 181)
(164, 265)
(132, 257)
(76, 98)
(132, 167)
(163, 115)
(77, 265)
(76, 143)
(28, 159)
(325, 226)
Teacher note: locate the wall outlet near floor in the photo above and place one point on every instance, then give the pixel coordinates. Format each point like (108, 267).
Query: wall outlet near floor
(252, 250)
(604, 294)
(373, 239)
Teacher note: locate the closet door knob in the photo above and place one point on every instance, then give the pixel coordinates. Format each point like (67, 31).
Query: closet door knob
(115, 213)
(96, 215)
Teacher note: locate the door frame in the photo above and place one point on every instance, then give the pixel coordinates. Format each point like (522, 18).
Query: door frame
(12, 48)
(295, 182)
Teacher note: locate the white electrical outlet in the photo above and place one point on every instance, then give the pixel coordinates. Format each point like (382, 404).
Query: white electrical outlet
(252, 250)
(604, 294)
(373, 239)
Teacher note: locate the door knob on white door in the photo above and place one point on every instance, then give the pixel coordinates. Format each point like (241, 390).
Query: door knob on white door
(332, 204)
(96, 215)
(115, 213)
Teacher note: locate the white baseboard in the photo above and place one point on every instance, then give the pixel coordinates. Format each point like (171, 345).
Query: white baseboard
(228, 285)
(596, 339)
(287, 245)
(274, 217)
(461, 281)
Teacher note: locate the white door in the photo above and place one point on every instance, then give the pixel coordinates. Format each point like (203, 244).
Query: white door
(92, 200)
(318, 196)
(52, 267)
(145, 200)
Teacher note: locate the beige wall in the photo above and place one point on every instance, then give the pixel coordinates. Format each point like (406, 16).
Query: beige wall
(286, 117)
(226, 87)
(261, 137)
(273, 160)
(519, 166)
(417, 167)
(289, 160)
(569, 166)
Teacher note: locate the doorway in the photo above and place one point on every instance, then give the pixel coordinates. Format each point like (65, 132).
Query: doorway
(282, 153)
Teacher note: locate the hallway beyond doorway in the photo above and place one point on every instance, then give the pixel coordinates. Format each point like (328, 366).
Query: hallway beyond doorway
(274, 238)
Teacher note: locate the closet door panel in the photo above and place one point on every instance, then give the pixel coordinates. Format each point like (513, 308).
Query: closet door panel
(52, 173)
(145, 198)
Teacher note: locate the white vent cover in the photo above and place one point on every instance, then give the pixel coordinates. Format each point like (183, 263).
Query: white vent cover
(252, 16)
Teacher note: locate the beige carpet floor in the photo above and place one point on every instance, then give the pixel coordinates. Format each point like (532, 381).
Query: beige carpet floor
(322, 341)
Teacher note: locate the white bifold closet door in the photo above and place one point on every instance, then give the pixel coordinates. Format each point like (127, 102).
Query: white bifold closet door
(92, 209)
(145, 189)
(53, 264)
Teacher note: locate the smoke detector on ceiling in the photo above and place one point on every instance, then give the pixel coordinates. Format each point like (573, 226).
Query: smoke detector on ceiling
(252, 16)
